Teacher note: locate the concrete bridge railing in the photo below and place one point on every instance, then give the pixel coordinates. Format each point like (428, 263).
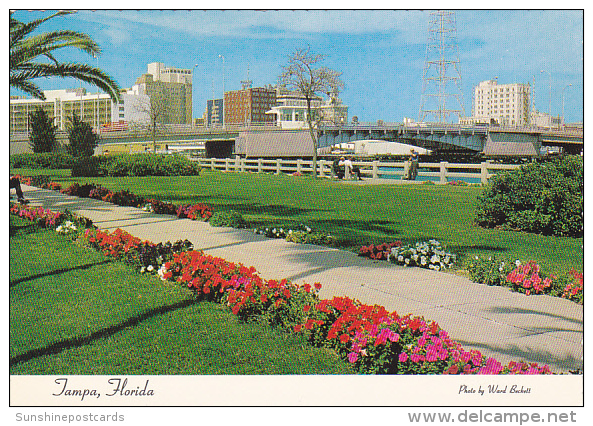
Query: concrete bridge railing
(439, 173)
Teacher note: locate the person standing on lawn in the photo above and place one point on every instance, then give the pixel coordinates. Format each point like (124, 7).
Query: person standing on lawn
(413, 164)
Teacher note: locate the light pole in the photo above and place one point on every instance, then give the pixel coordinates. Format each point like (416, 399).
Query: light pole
(223, 120)
(563, 101)
(192, 101)
(550, 112)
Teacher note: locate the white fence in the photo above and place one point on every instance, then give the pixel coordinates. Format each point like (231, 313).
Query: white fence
(443, 171)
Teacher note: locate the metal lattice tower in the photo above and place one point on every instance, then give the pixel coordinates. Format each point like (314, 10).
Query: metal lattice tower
(442, 95)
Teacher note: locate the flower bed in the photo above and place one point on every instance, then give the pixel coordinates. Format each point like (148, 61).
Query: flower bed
(373, 339)
(424, 254)
(302, 234)
(40, 216)
(526, 278)
(379, 251)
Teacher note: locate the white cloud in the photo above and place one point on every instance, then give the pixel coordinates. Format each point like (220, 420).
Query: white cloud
(267, 24)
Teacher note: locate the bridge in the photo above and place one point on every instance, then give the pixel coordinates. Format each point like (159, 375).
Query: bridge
(491, 140)
(221, 142)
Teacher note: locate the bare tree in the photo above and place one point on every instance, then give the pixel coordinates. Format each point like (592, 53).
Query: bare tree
(155, 109)
(304, 74)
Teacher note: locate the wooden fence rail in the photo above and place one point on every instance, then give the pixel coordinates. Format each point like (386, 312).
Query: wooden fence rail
(444, 171)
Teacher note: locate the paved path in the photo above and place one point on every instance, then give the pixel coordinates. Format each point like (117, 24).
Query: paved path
(498, 322)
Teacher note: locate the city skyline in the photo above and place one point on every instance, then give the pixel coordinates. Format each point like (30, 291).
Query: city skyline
(381, 53)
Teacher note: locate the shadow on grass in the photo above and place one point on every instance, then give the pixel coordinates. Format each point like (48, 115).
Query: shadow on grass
(24, 229)
(56, 272)
(269, 210)
(60, 346)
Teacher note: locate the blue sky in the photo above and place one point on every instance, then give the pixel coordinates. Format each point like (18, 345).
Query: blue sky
(381, 53)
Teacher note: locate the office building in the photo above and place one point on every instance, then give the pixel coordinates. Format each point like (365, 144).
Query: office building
(249, 105)
(60, 105)
(171, 88)
(213, 115)
(503, 104)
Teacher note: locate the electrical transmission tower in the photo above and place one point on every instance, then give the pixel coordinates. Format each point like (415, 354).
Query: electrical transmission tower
(442, 96)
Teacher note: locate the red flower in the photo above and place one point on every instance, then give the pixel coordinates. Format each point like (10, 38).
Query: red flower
(344, 338)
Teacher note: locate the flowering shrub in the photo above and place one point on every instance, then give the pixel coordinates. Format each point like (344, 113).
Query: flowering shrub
(457, 183)
(232, 219)
(125, 198)
(526, 278)
(302, 234)
(491, 271)
(317, 238)
(198, 211)
(99, 193)
(67, 228)
(379, 251)
(42, 217)
(574, 290)
(143, 255)
(78, 190)
(424, 254)
(54, 186)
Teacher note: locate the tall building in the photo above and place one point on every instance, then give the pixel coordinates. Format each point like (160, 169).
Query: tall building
(249, 105)
(213, 115)
(172, 88)
(60, 105)
(505, 104)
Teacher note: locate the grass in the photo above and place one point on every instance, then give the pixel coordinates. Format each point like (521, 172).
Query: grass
(72, 312)
(356, 214)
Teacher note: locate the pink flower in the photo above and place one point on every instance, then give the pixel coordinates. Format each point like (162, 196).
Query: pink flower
(352, 357)
(403, 357)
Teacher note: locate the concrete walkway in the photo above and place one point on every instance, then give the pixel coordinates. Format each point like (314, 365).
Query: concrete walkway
(498, 322)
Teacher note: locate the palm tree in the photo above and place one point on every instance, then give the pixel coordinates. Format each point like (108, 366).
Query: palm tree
(26, 50)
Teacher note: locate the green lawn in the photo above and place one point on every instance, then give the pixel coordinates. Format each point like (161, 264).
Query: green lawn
(356, 214)
(72, 312)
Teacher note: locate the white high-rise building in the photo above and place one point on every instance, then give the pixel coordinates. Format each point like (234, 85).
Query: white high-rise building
(169, 74)
(505, 104)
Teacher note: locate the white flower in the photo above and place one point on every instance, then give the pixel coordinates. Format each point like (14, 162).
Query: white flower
(517, 262)
(400, 258)
(142, 270)
(423, 260)
(59, 229)
(161, 272)
(435, 259)
(150, 268)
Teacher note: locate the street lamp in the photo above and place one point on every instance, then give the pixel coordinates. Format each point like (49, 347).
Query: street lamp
(192, 102)
(550, 91)
(563, 101)
(223, 120)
